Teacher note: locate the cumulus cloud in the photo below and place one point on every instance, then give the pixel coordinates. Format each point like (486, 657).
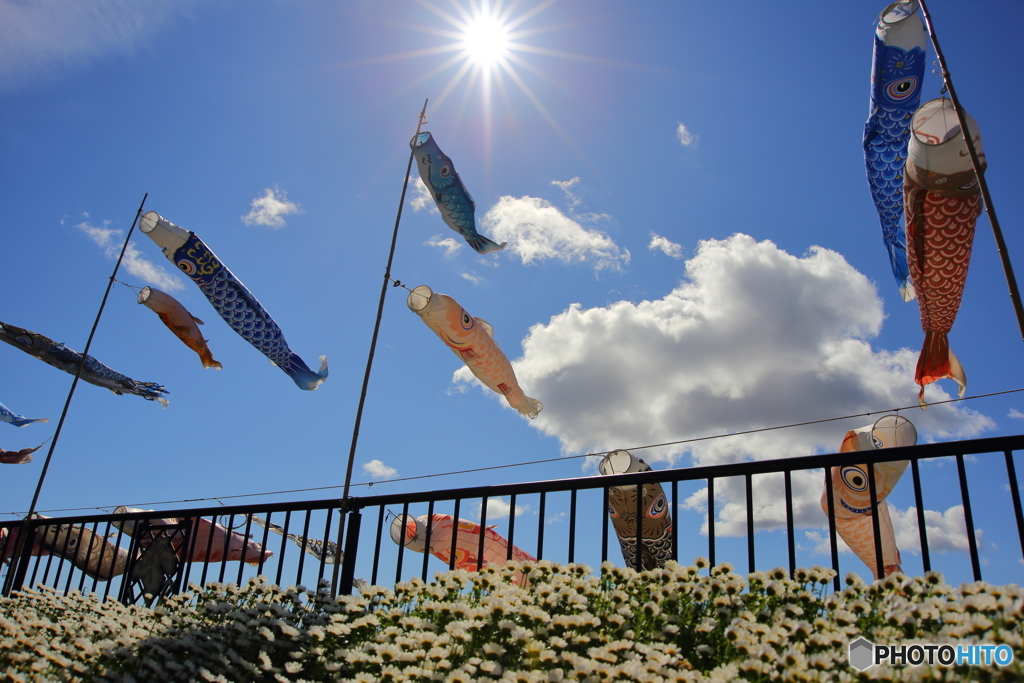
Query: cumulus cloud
(1015, 413)
(499, 508)
(752, 338)
(50, 38)
(665, 246)
(472, 277)
(109, 239)
(421, 198)
(378, 470)
(536, 230)
(269, 209)
(449, 244)
(686, 138)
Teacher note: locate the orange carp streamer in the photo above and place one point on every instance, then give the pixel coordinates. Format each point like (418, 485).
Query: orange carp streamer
(183, 324)
(467, 542)
(472, 340)
(942, 202)
(852, 491)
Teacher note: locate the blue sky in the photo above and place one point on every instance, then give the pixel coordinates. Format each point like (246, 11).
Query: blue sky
(693, 249)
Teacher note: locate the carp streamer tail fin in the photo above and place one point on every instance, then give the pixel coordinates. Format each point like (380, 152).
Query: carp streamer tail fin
(936, 362)
(482, 245)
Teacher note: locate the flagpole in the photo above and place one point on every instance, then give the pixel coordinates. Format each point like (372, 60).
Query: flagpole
(17, 575)
(961, 116)
(369, 360)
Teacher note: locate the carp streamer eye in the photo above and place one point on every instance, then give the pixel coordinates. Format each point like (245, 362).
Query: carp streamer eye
(187, 267)
(902, 89)
(658, 507)
(612, 512)
(467, 321)
(855, 478)
(445, 170)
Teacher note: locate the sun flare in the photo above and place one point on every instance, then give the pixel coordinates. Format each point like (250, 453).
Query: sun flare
(486, 41)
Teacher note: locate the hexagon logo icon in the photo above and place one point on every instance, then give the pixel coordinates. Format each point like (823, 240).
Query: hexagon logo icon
(861, 654)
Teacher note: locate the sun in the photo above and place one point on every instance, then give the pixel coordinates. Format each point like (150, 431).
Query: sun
(486, 41)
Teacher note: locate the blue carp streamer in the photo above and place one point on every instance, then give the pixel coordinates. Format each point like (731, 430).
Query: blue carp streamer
(232, 300)
(452, 198)
(10, 417)
(897, 71)
(63, 358)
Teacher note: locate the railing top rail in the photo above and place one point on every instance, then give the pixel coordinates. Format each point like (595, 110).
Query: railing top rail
(991, 445)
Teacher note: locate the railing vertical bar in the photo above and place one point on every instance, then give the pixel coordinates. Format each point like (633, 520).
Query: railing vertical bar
(103, 551)
(639, 540)
(540, 525)
(71, 567)
(245, 548)
(263, 544)
(88, 551)
(192, 542)
(284, 541)
(972, 541)
(426, 542)
(348, 568)
(483, 534)
(60, 556)
(302, 550)
(46, 572)
(227, 546)
(833, 545)
(35, 569)
(711, 521)
(323, 553)
(604, 525)
(455, 534)
(791, 541)
(922, 526)
(1011, 473)
(376, 547)
(209, 549)
(401, 546)
(675, 519)
(876, 524)
(511, 527)
(750, 521)
(572, 526)
(127, 564)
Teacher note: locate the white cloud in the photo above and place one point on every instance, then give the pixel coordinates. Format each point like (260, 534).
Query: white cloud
(1015, 413)
(686, 138)
(421, 198)
(499, 508)
(566, 187)
(666, 246)
(269, 209)
(378, 470)
(475, 279)
(45, 39)
(133, 261)
(449, 244)
(753, 338)
(945, 530)
(535, 230)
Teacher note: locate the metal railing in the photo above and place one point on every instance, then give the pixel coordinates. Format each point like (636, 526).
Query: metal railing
(95, 553)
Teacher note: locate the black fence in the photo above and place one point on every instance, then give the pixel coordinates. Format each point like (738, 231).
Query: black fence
(136, 553)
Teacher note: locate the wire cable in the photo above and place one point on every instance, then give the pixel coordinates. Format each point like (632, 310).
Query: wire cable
(535, 462)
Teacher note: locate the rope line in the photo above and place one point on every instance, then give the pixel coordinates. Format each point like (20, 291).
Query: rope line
(371, 484)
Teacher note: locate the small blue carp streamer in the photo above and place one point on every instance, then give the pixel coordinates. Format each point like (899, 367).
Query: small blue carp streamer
(897, 71)
(8, 416)
(63, 358)
(452, 198)
(232, 300)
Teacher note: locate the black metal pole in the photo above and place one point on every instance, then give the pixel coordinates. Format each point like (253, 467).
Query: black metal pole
(18, 576)
(1004, 255)
(369, 359)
